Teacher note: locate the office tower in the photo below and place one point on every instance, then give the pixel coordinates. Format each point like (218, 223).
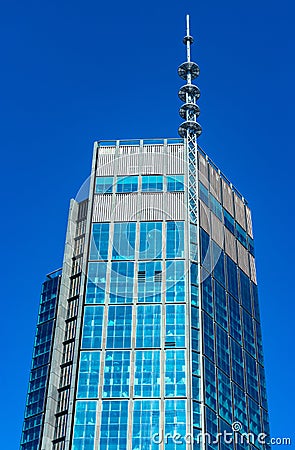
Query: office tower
(151, 336)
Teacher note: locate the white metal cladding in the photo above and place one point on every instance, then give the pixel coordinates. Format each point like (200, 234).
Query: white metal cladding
(217, 230)
(176, 149)
(175, 206)
(243, 259)
(203, 170)
(240, 211)
(249, 222)
(149, 159)
(152, 206)
(230, 244)
(253, 269)
(106, 150)
(215, 183)
(126, 207)
(105, 164)
(175, 163)
(162, 206)
(227, 197)
(153, 163)
(205, 217)
(128, 163)
(152, 149)
(102, 208)
(128, 149)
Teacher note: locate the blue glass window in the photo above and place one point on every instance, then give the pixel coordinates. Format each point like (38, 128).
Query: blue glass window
(232, 277)
(255, 301)
(149, 281)
(31, 433)
(240, 408)
(237, 363)
(124, 240)
(150, 246)
(84, 425)
(241, 235)
(92, 328)
(88, 375)
(235, 319)
(175, 423)
(127, 184)
(195, 339)
(222, 349)
(259, 342)
(210, 384)
(194, 273)
(194, 295)
(175, 240)
(255, 426)
(146, 424)
(204, 194)
(175, 325)
(99, 241)
(207, 295)
(121, 284)
(113, 428)
(251, 245)
(116, 374)
(245, 291)
(148, 326)
(42, 345)
(119, 327)
(262, 386)
(196, 364)
(251, 377)
(208, 336)
(104, 185)
(220, 305)
(229, 221)
(215, 207)
(175, 183)
(224, 397)
(226, 428)
(175, 373)
(249, 340)
(205, 250)
(211, 428)
(96, 287)
(147, 373)
(218, 263)
(195, 317)
(152, 183)
(196, 392)
(175, 281)
(193, 242)
(197, 417)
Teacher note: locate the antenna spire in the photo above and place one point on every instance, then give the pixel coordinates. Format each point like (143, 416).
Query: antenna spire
(189, 93)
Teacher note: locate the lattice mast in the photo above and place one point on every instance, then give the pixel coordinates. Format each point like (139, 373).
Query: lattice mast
(189, 93)
(190, 129)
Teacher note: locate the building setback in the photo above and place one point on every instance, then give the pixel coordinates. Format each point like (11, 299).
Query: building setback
(150, 337)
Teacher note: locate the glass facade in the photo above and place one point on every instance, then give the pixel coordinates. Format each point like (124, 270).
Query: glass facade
(162, 338)
(36, 398)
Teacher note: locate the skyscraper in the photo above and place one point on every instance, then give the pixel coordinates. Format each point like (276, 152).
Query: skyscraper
(150, 337)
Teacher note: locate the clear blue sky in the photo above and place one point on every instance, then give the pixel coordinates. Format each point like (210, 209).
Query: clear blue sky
(73, 72)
